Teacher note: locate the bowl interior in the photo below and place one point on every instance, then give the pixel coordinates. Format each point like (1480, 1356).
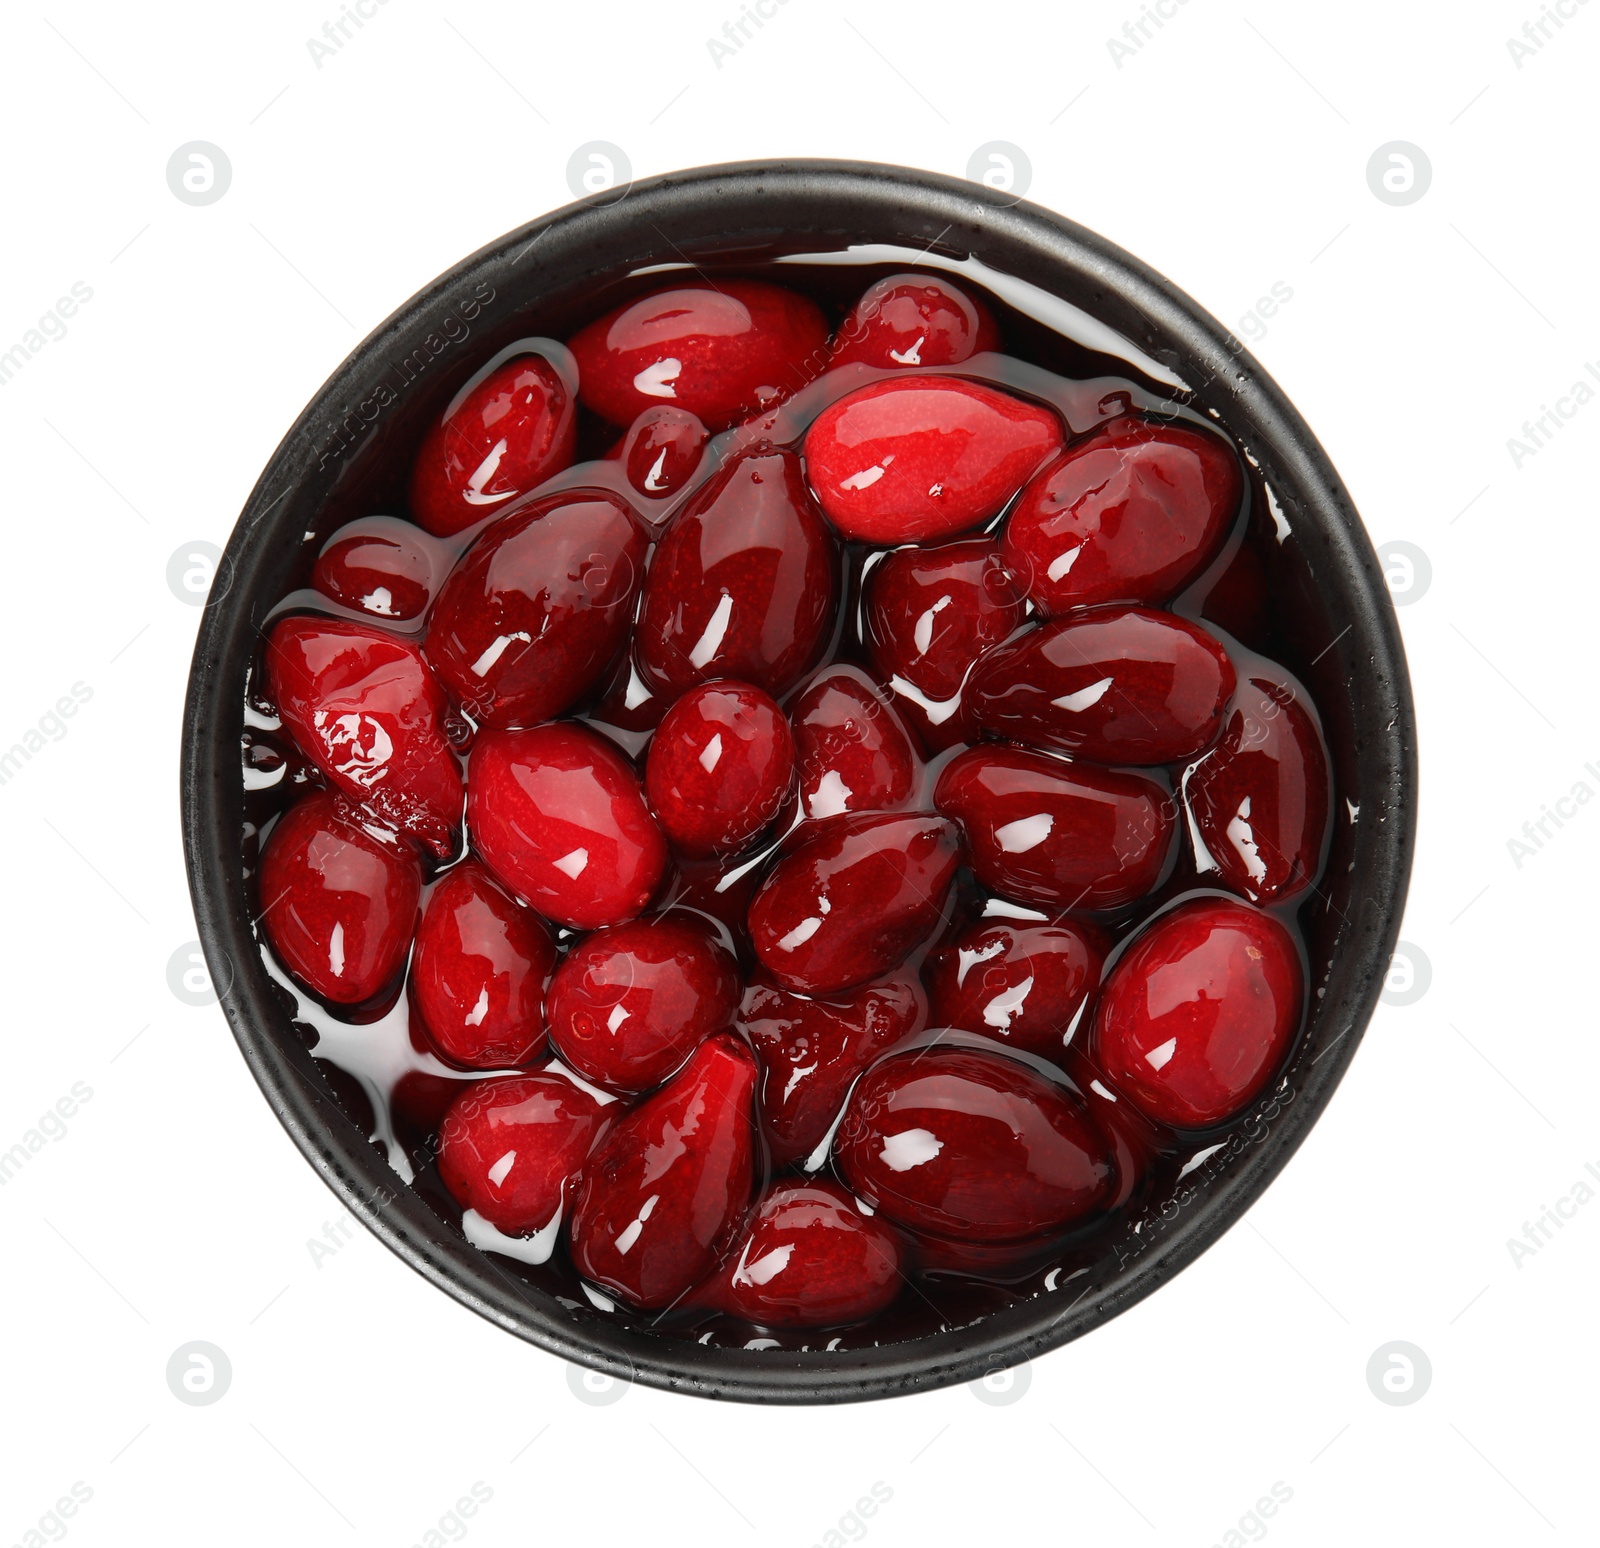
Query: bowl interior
(348, 456)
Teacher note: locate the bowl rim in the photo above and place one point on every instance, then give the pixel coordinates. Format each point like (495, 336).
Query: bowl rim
(1154, 314)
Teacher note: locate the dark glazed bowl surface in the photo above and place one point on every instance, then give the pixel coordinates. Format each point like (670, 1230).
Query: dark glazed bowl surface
(350, 447)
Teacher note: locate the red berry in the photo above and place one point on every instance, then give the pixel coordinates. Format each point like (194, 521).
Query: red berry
(339, 905)
(479, 972)
(853, 899)
(969, 1144)
(667, 1191)
(558, 816)
(854, 755)
(383, 570)
(1198, 1011)
(915, 321)
(512, 1149)
(536, 609)
(661, 450)
(722, 351)
(1260, 796)
(509, 434)
(810, 1259)
(1023, 985)
(1065, 835)
(916, 458)
(365, 708)
(927, 615)
(811, 1050)
(1131, 514)
(719, 768)
(630, 1003)
(743, 582)
(1118, 685)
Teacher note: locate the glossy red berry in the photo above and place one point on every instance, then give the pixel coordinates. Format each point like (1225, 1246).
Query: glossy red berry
(912, 321)
(1023, 985)
(722, 351)
(743, 582)
(631, 1002)
(479, 971)
(1198, 1012)
(382, 569)
(661, 451)
(365, 708)
(558, 816)
(811, 1050)
(720, 765)
(511, 432)
(1117, 685)
(512, 1149)
(339, 905)
(927, 615)
(667, 1191)
(1260, 796)
(918, 458)
(854, 754)
(810, 1258)
(1132, 513)
(538, 607)
(853, 898)
(969, 1144)
(1065, 835)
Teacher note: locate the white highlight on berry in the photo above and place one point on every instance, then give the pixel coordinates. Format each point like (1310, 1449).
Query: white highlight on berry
(922, 634)
(710, 642)
(336, 950)
(865, 479)
(1017, 838)
(572, 863)
(766, 1268)
(474, 1017)
(1062, 563)
(652, 479)
(831, 796)
(713, 753)
(1242, 836)
(909, 1148)
(655, 381)
(485, 663)
(379, 600)
(1007, 1005)
(473, 494)
(635, 1227)
(1159, 1056)
(1084, 698)
(912, 356)
(499, 1171)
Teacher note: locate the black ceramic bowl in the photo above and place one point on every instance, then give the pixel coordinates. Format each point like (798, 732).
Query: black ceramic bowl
(346, 456)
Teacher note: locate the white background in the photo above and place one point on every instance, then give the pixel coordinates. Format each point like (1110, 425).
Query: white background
(1229, 151)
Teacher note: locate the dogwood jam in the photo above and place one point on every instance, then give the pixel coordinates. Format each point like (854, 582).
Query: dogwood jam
(922, 661)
